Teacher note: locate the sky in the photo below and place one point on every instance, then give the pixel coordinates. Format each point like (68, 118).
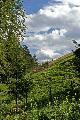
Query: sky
(32, 6)
(52, 25)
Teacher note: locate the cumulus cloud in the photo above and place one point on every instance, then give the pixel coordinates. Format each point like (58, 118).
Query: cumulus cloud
(52, 29)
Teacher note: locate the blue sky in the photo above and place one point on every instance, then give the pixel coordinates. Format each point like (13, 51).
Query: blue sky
(32, 6)
(51, 27)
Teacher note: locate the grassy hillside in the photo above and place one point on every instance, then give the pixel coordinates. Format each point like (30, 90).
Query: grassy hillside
(44, 66)
(54, 94)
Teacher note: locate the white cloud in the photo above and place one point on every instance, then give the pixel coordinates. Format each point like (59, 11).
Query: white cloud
(55, 11)
(53, 27)
(75, 2)
(47, 51)
(46, 54)
(60, 16)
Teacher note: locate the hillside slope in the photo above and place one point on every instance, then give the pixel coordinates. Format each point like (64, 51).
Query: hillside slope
(56, 90)
(44, 66)
(54, 94)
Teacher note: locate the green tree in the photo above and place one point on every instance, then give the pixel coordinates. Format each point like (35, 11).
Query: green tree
(25, 85)
(11, 28)
(35, 61)
(30, 62)
(77, 57)
(76, 63)
(13, 60)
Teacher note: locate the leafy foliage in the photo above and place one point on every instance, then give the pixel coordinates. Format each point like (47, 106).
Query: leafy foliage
(52, 93)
